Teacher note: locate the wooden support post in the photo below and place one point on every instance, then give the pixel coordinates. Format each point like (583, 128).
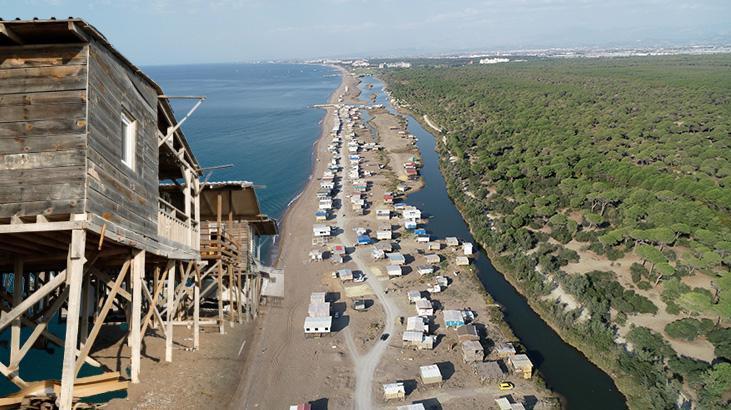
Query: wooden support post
(138, 275)
(155, 283)
(219, 279)
(84, 326)
(231, 298)
(170, 312)
(239, 312)
(196, 307)
(16, 325)
(75, 271)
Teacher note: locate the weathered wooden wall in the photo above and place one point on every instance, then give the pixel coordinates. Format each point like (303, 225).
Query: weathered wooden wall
(42, 129)
(124, 196)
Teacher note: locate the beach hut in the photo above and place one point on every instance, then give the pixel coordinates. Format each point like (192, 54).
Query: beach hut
(318, 297)
(432, 258)
(425, 269)
(301, 406)
(434, 246)
(463, 261)
(411, 213)
(521, 365)
(420, 231)
(452, 241)
(345, 274)
(413, 295)
(388, 198)
(422, 239)
(396, 258)
(402, 187)
(325, 204)
(430, 374)
(383, 214)
(424, 307)
(338, 249)
(327, 184)
(410, 224)
(323, 194)
(384, 246)
(363, 240)
(467, 248)
(384, 233)
(472, 351)
(503, 403)
(467, 332)
(318, 309)
(442, 281)
(504, 350)
(417, 324)
(320, 230)
(453, 318)
(321, 215)
(394, 270)
(412, 173)
(318, 325)
(394, 391)
(418, 340)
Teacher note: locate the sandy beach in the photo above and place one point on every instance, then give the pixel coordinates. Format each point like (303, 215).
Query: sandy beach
(347, 367)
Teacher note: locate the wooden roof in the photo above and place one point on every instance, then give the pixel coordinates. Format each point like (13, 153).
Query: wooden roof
(239, 198)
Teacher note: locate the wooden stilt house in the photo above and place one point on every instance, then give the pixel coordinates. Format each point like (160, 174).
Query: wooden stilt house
(86, 139)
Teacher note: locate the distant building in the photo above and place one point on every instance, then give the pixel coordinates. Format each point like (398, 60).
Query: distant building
(360, 63)
(494, 60)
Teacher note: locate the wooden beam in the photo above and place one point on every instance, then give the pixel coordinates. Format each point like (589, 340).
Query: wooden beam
(31, 300)
(219, 278)
(73, 28)
(138, 275)
(42, 324)
(75, 268)
(152, 310)
(43, 227)
(110, 283)
(10, 34)
(13, 376)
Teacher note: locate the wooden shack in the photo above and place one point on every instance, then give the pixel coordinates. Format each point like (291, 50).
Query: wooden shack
(99, 199)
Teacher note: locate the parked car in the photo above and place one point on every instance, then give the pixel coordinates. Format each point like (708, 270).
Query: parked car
(506, 386)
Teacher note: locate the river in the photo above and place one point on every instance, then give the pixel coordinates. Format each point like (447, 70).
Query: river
(566, 371)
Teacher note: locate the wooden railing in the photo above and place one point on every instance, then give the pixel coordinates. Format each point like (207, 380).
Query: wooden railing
(174, 225)
(217, 243)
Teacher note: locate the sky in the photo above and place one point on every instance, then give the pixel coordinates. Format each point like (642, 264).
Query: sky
(152, 32)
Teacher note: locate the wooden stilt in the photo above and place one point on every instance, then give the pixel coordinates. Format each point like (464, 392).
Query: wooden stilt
(75, 271)
(170, 312)
(219, 279)
(231, 297)
(84, 324)
(138, 275)
(196, 307)
(16, 325)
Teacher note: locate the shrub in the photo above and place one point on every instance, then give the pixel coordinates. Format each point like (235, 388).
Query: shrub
(688, 328)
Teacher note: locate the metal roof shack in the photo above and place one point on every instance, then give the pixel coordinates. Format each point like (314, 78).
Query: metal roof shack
(424, 307)
(393, 391)
(453, 318)
(504, 350)
(345, 274)
(522, 365)
(394, 270)
(319, 309)
(318, 297)
(413, 295)
(432, 258)
(318, 325)
(452, 241)
(396, 258)
(414, 406)
(416, 324)
(430, 374)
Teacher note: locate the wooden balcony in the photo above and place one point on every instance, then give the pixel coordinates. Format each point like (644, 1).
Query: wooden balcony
(175, 226)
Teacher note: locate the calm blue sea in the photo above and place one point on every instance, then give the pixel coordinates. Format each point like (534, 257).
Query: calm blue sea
(257, 117)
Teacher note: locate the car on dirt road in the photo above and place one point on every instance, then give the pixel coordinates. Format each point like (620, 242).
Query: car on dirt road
(506, 386)
(385, 336)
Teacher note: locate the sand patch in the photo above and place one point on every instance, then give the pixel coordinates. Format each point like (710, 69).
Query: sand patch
(357, 291)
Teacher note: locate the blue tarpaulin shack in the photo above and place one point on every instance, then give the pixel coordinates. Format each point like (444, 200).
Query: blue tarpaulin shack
(420, 231)
(364, 240)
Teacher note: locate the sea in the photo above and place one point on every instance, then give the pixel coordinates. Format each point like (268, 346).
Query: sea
(259, 118)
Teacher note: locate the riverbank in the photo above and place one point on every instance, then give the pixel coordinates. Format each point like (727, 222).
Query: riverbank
(606, 364)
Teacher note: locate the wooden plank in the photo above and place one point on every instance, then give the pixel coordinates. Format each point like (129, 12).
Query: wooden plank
(41, 160)
(10, 34)
(43, 55)
(42, 227)
(50, 192)
(42, 79)
(75, 270)
(107, 280)
(196, 307)
(60, 207)
(42, 128)
(35, 112)
(42, 324)
(43, 99)
(46, 143)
